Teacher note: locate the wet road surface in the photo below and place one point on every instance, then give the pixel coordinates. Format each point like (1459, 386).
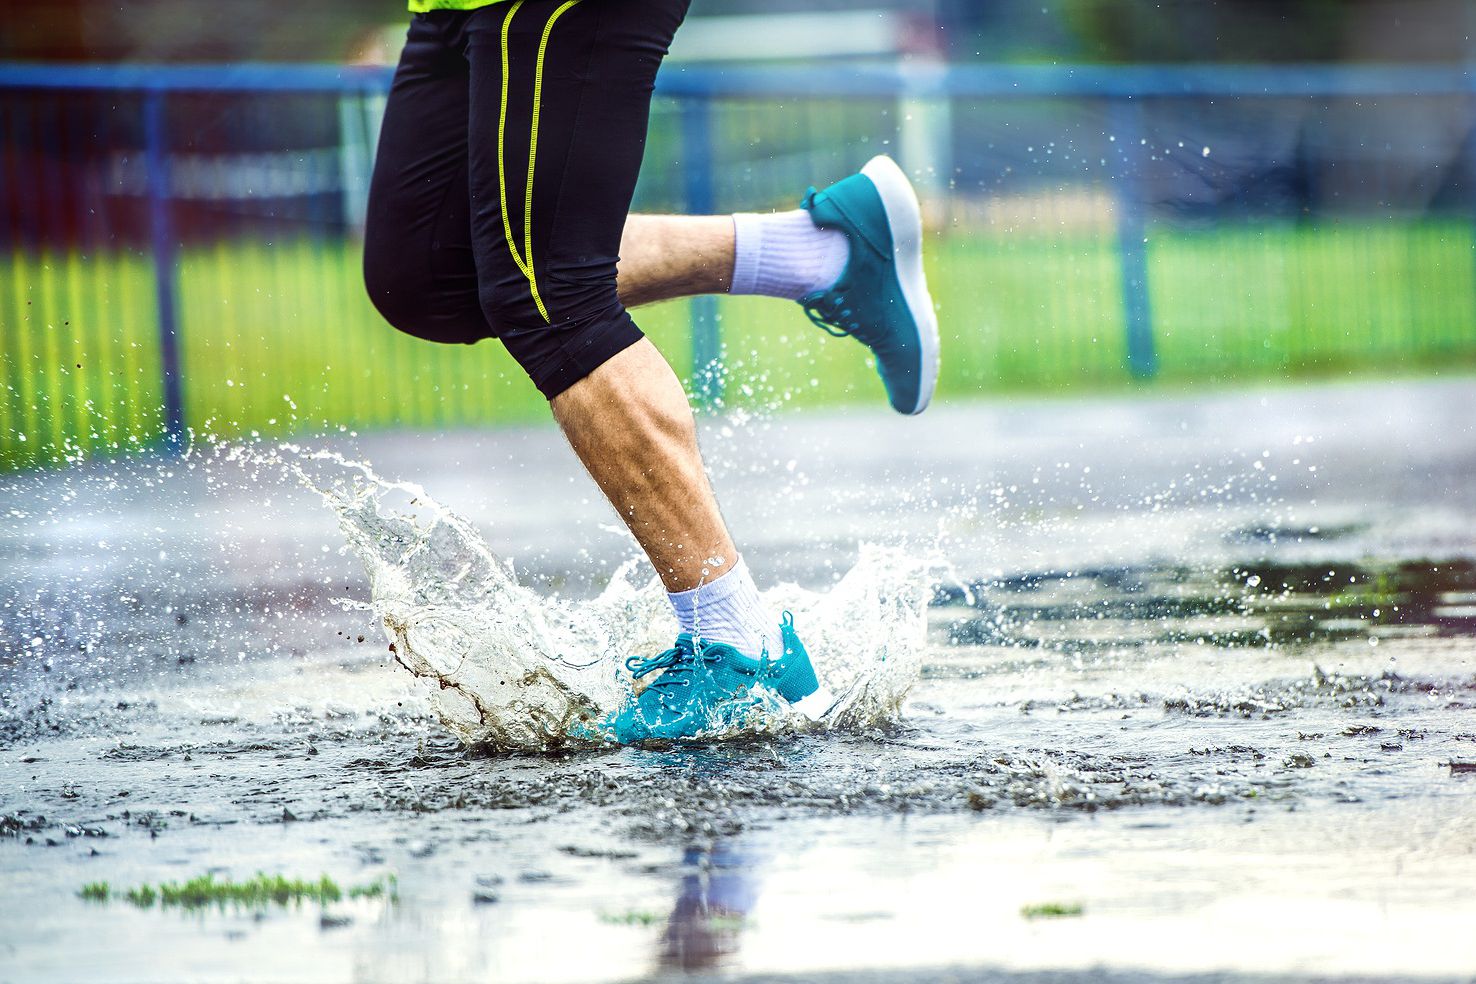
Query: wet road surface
(1203, 668)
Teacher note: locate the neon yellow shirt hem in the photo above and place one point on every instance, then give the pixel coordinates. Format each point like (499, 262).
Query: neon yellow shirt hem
(423, 6)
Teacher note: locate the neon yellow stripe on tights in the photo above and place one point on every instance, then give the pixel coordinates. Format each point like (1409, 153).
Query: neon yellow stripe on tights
(502, 142)
(525, 259)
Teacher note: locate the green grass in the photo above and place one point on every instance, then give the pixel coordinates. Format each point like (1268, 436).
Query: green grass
(717, 921)
(257, 892)
(280, 338)
(633, 917)
(95, 892)
(1051, 910)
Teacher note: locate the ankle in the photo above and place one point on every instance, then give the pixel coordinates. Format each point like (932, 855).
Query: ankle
(729, 610)
(784, 254)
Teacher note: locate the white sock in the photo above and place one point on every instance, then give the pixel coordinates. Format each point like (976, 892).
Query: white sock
(728, 609)
(785, 254)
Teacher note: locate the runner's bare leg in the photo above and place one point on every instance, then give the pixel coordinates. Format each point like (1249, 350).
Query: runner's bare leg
(631, 426)
(668, 256)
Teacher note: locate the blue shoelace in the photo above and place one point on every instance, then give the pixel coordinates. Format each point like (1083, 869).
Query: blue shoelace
(837, 325)
(680, 663)
(832, 323)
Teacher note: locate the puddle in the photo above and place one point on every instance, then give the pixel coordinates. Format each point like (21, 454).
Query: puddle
(1213, 724)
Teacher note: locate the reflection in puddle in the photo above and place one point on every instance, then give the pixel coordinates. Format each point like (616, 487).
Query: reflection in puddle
(1250, 605)
(718, 888)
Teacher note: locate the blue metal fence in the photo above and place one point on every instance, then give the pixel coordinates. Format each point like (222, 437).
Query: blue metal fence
(1117, 147)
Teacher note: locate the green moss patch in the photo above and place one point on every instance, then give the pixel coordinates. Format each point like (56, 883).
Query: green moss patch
(258, 892)
(1051, 910)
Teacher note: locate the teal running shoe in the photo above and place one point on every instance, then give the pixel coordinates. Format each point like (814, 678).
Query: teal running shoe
(707, 687)
(881, 298)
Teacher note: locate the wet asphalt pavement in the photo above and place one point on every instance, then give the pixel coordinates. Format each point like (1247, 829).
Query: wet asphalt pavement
(1203, 667)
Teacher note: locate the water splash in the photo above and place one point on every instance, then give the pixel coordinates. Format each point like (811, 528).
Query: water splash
(514, 668)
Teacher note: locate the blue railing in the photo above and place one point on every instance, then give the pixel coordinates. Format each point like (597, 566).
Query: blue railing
(1110, 81)
(695, 92)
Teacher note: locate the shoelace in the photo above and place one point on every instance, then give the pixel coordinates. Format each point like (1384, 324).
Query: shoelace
(836, 325)
(680, 662)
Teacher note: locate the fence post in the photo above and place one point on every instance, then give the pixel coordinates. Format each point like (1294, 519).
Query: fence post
(1468, 154)
(925, 131)
(164, 246)
(1125, 118)
(697, 178)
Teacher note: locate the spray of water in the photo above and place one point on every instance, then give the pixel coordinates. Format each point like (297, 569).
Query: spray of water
(514, 668)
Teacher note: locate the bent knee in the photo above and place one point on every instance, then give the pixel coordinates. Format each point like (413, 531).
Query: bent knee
(390, 291)
(513, 305)
(415, 304)
(559, 352)
(510, 308)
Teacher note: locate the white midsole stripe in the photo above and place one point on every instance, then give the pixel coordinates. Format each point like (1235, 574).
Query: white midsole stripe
(904, 217)
(817, 705)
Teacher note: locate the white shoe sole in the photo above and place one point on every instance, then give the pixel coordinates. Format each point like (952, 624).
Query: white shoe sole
(817, 705)
(904, 218)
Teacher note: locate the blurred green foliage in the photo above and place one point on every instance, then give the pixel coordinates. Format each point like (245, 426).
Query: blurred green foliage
(281, 339)
(1229, 30)
(1248, 31)
(1081, 30)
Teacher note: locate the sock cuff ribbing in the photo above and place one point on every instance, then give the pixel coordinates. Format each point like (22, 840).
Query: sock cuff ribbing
(784, 254)
(745, 260)
(728, 609)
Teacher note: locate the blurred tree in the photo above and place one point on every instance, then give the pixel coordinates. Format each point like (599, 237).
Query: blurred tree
(189, 30)
(1196, 30)
(992, 30)
(1269, 30)
(1209, 30)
